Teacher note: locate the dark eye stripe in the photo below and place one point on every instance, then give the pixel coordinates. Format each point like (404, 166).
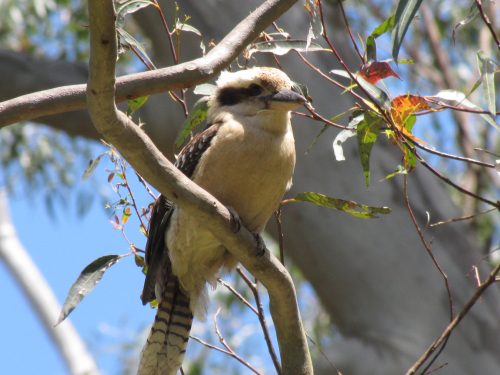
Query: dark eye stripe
(230, 95)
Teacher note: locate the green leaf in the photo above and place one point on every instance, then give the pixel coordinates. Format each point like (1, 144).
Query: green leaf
(362, 211)
(405, 12)
(371, 49)
(459, 98)
(282, 47)
(371, 46)
(197, 115)
(139, 260)
(87, 280)
(487, 67)
(399, 170)
(409, 158)
(92, 166)
(128, 8)
(385, 26)
(188, 28)
(133, 105)
(367, 132)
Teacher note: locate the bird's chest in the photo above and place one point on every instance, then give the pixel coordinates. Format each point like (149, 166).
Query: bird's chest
(249, 171)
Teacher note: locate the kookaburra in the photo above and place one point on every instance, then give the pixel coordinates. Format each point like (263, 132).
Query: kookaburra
(245, 158)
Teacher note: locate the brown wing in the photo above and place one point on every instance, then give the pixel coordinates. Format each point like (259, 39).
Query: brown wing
(156, 250)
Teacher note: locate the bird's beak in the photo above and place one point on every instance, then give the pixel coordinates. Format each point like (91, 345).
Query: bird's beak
(284, 100)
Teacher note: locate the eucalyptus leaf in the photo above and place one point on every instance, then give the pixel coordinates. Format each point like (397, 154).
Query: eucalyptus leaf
(282, 47)
(197, 115)
(130, 41)
(487, 67)
(133, 105)
(367, 132)
(359, 210)
(459, 98)
(128, 8)
(405, 12)
(92, 166)
(85, 282)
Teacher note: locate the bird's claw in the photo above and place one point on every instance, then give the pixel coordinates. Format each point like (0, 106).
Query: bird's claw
(261, 246)
(235, 220)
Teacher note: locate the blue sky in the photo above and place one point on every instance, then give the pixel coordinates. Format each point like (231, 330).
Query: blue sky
(109, 316)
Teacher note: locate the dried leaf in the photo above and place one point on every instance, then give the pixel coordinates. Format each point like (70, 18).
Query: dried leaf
(403, 109)
(126, 215)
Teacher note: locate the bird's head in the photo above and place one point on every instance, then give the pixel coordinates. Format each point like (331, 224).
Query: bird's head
(256, 90)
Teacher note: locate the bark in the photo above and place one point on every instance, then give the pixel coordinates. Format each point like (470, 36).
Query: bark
(374, 278)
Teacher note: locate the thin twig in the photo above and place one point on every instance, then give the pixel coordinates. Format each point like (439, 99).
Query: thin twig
(262, 319)
(204, 343)
(451, 183)
(167, 29)
(146, 186)
(228, 348)
(487, 22)
(348, 27)
(462, 218)
(238, 295)
(131, 194)
(492, 278)
(427, 247)
(451, 156)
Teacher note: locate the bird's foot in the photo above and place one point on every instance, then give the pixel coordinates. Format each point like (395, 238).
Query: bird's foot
(235, 219)
(261, 246)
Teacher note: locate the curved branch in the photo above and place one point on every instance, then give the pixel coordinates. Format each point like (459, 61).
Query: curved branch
(141, 153)
(71, 98)
(40, 296)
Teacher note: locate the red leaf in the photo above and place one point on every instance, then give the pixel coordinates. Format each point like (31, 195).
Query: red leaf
(377, 70)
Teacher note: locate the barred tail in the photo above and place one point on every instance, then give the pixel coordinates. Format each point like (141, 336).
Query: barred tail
(167, 341)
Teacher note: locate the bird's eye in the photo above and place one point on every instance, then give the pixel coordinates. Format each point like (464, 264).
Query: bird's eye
(254, 90)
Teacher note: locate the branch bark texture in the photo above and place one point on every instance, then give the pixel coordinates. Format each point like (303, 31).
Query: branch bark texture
(141, 153)
(72, 98)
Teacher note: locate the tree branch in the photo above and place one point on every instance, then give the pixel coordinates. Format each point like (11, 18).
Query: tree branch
(40, 296)
(492, 278)
(141, 153)
(184, 75)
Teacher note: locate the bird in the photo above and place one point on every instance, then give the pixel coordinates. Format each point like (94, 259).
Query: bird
(245, 158)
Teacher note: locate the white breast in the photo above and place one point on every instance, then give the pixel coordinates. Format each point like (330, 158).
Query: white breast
(247, 168)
